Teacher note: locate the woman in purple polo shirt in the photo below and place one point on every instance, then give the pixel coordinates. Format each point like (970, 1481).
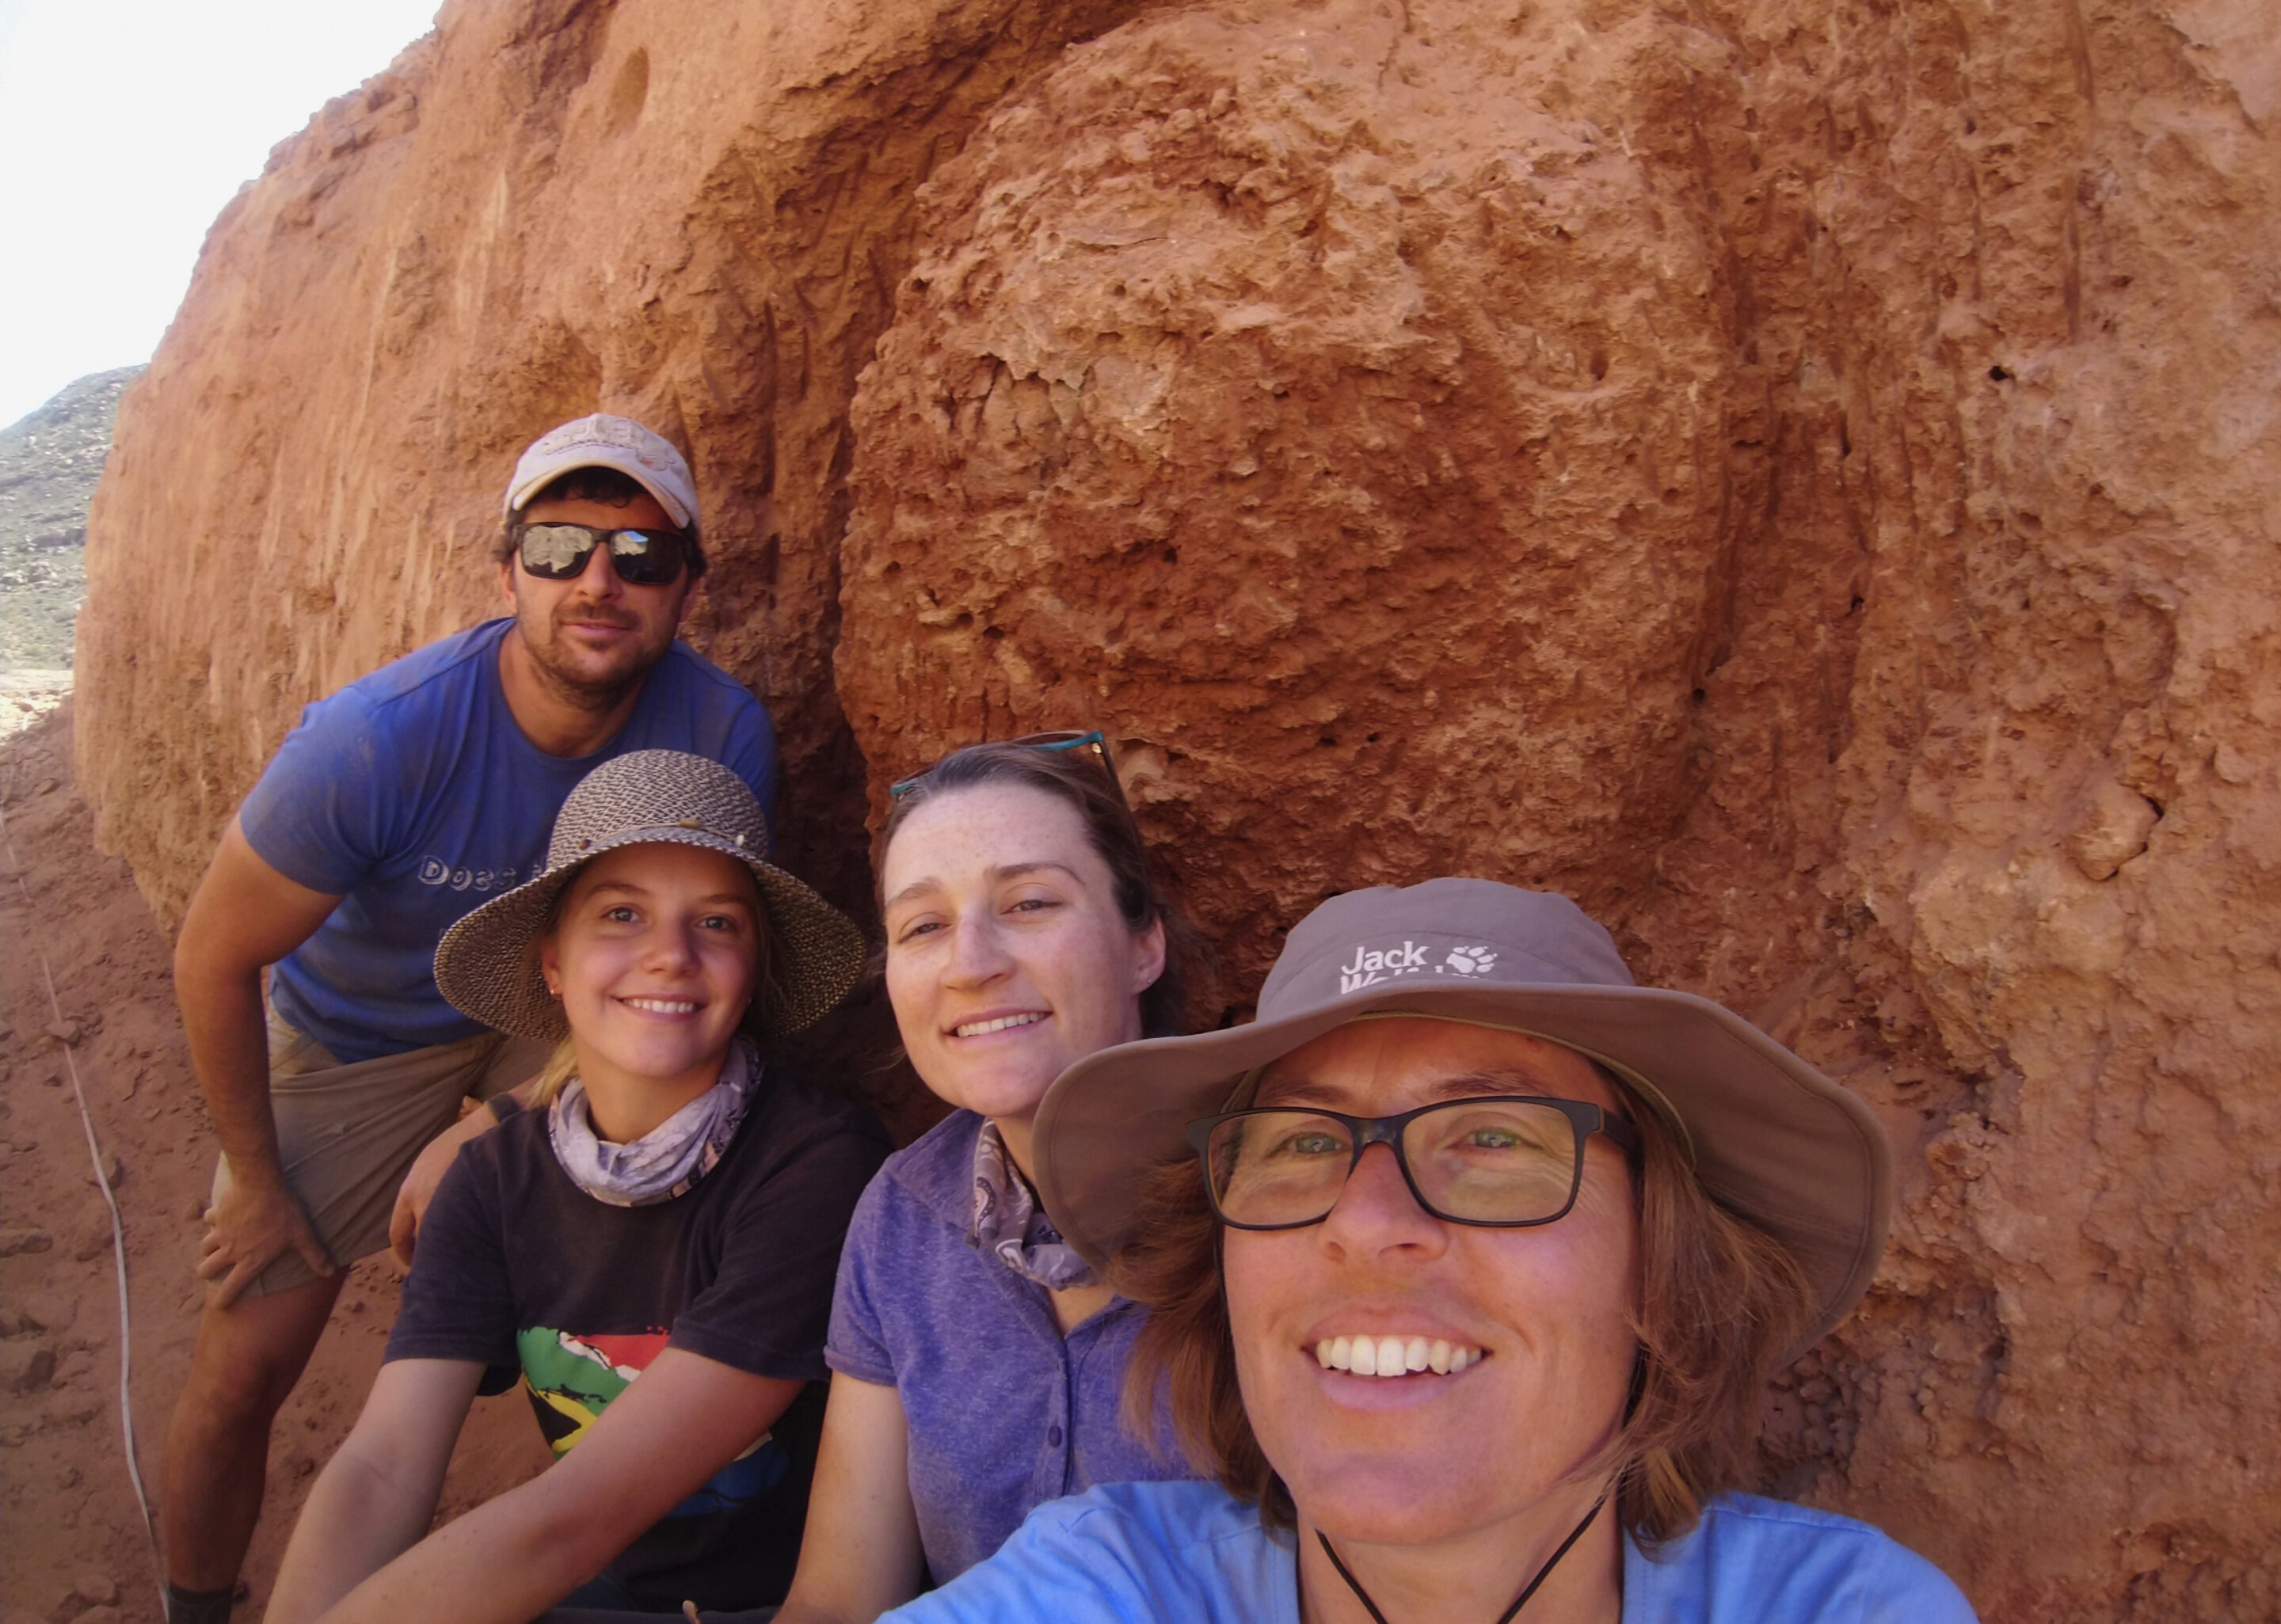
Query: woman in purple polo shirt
(979, 1363)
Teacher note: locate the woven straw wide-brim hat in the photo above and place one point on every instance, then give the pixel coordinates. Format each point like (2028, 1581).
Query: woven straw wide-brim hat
(484, 965)
(1768, 1135)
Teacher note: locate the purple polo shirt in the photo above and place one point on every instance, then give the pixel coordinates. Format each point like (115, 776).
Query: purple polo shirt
(1005, 1412)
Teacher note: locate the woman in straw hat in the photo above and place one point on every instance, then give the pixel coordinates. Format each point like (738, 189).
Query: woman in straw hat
(979, 1363)
(651, 1246)
(1469, 1261)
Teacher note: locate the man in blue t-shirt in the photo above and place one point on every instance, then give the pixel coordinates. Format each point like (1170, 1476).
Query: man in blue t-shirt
(398, 805)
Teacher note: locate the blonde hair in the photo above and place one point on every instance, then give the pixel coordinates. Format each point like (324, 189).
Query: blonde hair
(562, 1067)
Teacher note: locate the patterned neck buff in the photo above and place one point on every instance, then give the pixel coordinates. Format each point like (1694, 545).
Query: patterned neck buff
(1008, 1222)
(671, 1156)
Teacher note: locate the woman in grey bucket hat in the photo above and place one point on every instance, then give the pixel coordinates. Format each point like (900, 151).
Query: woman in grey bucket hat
(651, 1244)
(1467, 1260)
(1766, 1133)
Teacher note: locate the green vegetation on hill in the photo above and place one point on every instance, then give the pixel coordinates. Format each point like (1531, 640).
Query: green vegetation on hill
(50, 462)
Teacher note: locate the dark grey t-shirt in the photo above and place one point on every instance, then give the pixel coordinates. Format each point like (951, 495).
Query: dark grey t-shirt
(520, 1270)
(1005, 1412)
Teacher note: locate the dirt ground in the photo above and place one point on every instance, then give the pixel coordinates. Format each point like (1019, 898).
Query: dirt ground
(71, 1541)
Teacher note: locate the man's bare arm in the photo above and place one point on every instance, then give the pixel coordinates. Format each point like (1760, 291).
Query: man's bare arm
(245, 916)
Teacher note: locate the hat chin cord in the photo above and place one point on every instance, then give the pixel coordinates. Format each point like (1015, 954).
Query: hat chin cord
(1518, 1601)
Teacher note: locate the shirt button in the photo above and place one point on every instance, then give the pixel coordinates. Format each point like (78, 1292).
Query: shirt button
(1054, 1436)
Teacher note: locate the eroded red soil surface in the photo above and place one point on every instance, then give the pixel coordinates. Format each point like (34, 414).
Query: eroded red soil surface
(73, 1544)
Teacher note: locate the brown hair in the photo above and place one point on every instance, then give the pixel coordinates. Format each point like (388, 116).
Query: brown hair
(1719, 1299)
(1084, 783)
(606, 486)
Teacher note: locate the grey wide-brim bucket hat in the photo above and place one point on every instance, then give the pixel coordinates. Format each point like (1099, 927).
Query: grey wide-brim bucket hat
(484, 965)
(1770, 1138)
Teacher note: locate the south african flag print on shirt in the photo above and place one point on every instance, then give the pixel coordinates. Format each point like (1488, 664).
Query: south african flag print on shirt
(572, 1380)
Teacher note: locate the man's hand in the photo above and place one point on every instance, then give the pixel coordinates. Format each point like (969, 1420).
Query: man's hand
(256, 1222)
(428, 1171)
(428, 1168)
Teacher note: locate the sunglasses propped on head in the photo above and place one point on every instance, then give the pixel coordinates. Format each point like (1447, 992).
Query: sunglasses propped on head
(1068, 739)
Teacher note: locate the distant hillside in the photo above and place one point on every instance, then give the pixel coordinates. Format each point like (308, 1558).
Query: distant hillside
(50, 461)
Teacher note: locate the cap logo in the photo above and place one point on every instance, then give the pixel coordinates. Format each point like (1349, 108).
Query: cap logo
(1375, 964)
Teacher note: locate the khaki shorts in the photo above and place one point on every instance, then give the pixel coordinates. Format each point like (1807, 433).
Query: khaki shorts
(347, 1134)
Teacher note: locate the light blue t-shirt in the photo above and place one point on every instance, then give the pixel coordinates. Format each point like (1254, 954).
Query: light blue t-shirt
(1135, 1553)
(413, 795)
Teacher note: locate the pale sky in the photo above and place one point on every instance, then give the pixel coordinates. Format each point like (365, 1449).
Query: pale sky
(124, 125)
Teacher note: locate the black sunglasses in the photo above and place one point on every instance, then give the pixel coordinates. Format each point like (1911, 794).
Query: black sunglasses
(1091, 743)
(1503, 1161)
(641, 557)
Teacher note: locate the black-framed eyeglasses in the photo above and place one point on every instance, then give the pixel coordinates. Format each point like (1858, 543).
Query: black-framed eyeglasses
(1503, 1161)
(1090, 744)
(642, 557)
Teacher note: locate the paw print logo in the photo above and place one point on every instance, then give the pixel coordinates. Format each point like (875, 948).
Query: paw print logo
(1470, 961)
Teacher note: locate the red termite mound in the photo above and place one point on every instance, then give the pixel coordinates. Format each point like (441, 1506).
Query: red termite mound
(1798, 479)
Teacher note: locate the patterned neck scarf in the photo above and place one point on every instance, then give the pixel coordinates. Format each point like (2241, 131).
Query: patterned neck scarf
(1008, 1222)
(671, 1156)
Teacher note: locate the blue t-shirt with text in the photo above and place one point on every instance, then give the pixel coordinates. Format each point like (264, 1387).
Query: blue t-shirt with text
(413, 794)
(1132, 1553)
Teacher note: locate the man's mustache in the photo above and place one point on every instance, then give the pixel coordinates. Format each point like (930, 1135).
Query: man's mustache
(597, 616)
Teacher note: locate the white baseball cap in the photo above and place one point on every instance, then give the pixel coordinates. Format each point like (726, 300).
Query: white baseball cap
(606, 441)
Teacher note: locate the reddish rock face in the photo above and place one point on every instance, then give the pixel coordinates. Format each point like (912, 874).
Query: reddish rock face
(1356, 445)
(692, 215)
(1714, 475)
(1800, 481)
